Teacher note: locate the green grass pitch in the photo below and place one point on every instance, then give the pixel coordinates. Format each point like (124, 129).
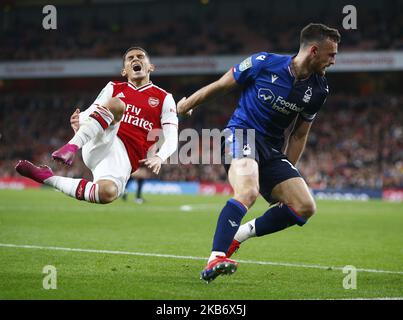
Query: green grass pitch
(156, 250)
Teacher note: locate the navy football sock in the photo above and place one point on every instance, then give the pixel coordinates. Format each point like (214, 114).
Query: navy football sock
(227, 225)
(276, 219)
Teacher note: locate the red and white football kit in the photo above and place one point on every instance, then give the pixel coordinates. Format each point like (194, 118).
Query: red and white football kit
(115, 153)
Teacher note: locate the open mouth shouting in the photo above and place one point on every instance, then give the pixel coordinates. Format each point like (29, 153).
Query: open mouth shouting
(136, 67)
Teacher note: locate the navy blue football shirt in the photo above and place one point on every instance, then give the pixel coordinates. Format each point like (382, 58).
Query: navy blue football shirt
(272, 98)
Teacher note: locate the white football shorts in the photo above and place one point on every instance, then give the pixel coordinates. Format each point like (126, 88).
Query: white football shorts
(106, 156)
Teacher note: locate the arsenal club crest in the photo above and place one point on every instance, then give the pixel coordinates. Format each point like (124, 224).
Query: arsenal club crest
(153, 102)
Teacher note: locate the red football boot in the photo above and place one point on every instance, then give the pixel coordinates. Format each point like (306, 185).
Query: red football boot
(218, 266)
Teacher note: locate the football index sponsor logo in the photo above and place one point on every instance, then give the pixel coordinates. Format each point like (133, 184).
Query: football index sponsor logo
(285, 107)
(279, 103)
(266, 95)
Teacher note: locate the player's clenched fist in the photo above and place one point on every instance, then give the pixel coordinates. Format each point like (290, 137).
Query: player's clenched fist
(75, 120)
(154, 163)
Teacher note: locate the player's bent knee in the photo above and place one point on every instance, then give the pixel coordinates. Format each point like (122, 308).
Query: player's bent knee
(247, 196)
(306, 209)
(117, 107)
(108, 193)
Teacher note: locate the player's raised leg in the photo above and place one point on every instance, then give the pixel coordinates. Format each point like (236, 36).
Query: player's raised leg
(243, 176)
(98, 121)
(110, 172)
(296, 205)
(102, 191)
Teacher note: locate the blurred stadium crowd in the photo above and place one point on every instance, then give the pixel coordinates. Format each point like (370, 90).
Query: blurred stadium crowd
(189, 28)
(356, 142)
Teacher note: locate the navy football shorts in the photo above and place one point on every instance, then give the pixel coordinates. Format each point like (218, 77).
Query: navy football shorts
(274, 167)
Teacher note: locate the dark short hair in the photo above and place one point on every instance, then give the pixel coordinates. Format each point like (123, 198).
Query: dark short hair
(318, 32)
(134, 48)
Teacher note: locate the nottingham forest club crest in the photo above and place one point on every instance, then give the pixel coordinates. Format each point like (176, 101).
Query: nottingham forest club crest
(307, 95)
(153, 102)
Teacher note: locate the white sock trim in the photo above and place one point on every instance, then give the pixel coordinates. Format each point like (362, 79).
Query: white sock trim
(69, 186)
(88, 130)
(214, 254)
(98, 121)
(246, 231)
(63, 184)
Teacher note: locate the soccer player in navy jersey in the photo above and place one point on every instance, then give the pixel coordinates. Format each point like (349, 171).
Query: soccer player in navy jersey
(278, 92)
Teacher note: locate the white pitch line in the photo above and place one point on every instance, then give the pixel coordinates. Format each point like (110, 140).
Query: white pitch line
(145, 254)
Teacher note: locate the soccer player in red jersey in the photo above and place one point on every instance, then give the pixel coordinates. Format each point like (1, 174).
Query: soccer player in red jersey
(114, 134)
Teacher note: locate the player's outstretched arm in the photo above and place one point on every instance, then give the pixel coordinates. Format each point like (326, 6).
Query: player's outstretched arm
(297, 140)
(217, 88)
